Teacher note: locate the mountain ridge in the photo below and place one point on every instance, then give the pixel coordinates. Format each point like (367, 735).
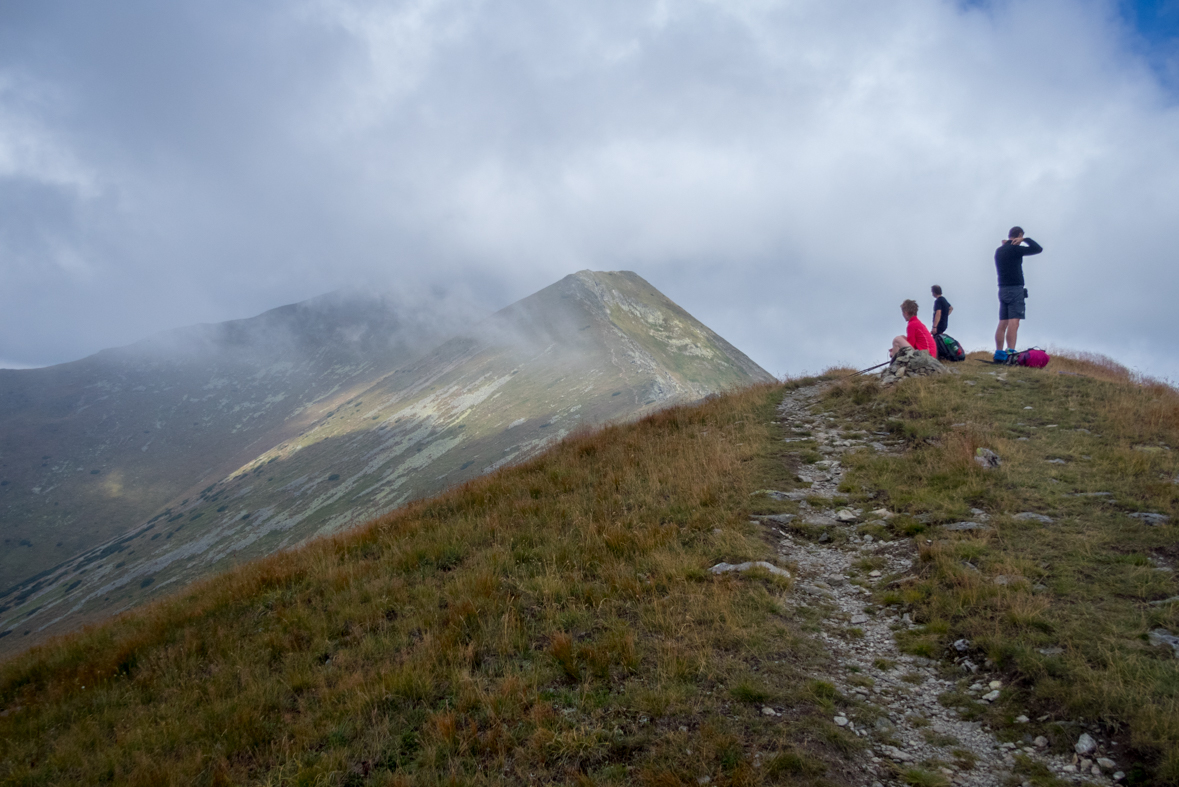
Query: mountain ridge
(590, 349)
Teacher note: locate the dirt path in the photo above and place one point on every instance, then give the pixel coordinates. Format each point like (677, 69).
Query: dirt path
(895, 696)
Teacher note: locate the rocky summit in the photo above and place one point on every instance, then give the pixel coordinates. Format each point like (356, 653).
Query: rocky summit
(144, 468)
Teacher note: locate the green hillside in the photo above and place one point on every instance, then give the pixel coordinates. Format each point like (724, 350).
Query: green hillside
(556, 622)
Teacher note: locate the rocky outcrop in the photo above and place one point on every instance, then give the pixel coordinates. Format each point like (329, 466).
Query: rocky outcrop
(911, 363)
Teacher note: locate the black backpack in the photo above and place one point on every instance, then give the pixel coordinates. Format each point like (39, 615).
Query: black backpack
(948, 348)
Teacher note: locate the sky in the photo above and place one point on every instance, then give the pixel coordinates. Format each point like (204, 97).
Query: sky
(787, 171)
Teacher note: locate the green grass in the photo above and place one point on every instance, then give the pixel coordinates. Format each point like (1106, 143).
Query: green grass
(1083, 583)
(919, 777)
(551, 623)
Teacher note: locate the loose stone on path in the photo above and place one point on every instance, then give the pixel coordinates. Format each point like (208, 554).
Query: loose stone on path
(722, 568)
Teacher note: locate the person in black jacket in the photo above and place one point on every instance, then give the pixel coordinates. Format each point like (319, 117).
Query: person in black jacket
(1009, 265)
(941, 311)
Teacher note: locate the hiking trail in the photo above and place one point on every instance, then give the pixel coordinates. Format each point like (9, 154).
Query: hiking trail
(893, 695)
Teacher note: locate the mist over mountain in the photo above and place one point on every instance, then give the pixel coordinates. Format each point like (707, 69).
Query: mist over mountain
(89, 447)
(152, 465)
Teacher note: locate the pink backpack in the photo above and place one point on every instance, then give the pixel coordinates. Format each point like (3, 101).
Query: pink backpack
(1034, 357)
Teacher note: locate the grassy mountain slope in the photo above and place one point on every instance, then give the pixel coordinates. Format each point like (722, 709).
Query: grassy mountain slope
(543, 623)
(592, 348)
(554, 622)
(90, 448)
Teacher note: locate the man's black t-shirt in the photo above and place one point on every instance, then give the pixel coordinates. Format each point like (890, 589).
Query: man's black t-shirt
(944, 306)
(1009, 261)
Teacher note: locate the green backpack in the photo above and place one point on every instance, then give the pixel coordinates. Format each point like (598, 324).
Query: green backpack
(948, 348)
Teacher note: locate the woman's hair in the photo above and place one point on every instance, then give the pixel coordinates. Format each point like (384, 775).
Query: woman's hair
(937, 289)
(909, 308)
(1015, 232)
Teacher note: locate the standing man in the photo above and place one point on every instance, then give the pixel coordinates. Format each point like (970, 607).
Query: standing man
(1009, 265)
(941, 310)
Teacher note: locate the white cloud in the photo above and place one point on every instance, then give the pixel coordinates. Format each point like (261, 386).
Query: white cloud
(398, 46)
(30, 149)
(789, 171)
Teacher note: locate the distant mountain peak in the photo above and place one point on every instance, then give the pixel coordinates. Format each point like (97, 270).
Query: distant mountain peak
(224, 456)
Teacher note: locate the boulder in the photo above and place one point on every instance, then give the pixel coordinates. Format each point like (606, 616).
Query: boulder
(776, 519)
(722, 568)
(966, 526)
(1160, 636)
(773, 494)
(1151, 518)
(986, 458)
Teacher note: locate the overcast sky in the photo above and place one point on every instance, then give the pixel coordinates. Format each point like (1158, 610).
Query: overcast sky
(788, 172)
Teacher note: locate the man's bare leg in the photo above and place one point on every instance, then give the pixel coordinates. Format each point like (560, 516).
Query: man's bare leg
(1012, 332)
(898, 344)
(1000, 334)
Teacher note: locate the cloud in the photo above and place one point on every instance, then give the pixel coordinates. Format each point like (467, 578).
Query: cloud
(29, 149)
(787, 171)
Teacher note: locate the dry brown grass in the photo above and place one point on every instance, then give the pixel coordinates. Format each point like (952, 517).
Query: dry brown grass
(551, 622)
(1092, 365)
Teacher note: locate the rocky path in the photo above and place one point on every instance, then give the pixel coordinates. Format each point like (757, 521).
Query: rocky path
(894, 696)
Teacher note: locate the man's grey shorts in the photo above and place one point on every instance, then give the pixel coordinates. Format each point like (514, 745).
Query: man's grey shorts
(1011, 306)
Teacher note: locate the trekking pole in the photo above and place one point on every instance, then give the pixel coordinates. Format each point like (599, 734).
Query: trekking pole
(870, 368)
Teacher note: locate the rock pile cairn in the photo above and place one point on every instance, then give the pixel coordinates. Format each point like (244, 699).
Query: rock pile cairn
(911, 363)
